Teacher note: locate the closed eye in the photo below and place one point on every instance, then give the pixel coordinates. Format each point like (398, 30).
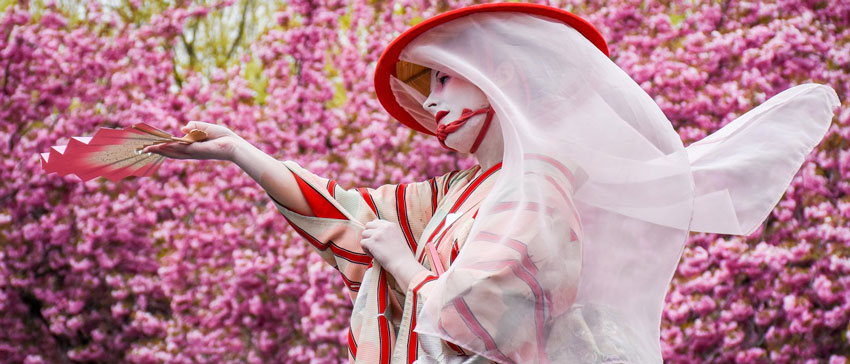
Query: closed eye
(443, 80)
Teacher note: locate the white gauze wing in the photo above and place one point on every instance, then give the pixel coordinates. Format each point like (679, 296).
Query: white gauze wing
(742, 170)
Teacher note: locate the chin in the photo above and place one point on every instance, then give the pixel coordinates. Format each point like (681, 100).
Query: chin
(462, 139)
(459, 143)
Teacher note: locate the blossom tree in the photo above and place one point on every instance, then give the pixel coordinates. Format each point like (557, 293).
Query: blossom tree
(195, 265)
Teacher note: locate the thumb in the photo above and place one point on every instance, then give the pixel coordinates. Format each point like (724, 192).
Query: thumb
(193, 125)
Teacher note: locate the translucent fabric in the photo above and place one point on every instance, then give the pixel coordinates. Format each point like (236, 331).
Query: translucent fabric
(571, 254)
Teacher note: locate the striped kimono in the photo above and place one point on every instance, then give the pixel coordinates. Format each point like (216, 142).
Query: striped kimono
(440, 210)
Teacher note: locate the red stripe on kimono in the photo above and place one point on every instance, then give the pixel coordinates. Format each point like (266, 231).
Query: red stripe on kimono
(381, 326)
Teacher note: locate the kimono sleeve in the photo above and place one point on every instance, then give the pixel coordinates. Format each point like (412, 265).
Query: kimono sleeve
(338, 216)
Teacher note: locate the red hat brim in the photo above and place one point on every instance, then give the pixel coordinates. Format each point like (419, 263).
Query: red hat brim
(387, 63)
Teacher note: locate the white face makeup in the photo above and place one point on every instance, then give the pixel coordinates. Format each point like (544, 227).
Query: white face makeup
(450, 96)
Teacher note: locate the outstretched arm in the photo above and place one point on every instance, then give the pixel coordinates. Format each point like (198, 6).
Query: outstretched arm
(271, 175)
(224, 144)
(336, 238)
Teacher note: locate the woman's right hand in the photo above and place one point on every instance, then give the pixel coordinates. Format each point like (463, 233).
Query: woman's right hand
(220, 144)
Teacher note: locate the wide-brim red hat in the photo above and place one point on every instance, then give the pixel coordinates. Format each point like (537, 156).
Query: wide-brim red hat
(419, 76)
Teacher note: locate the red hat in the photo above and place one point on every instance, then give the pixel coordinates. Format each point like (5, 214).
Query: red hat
(412, 74)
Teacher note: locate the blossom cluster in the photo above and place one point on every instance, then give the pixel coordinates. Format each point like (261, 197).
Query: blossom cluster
(195, 264)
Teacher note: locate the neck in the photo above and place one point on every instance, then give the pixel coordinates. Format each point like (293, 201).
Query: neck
(492, 146)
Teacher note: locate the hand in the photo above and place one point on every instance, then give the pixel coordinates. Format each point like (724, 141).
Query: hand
(220, 144)
(384, 241)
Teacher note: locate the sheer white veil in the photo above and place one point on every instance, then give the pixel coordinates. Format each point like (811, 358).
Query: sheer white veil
(571, 254)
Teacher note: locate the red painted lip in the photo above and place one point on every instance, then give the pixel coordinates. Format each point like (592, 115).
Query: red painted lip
(440, 115)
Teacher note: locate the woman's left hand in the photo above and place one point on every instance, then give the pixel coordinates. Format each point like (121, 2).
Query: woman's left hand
(384, 241)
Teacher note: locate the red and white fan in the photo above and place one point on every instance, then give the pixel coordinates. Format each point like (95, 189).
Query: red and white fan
(112, 153)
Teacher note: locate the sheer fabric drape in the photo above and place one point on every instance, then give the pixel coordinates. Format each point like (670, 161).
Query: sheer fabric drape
(596, 195)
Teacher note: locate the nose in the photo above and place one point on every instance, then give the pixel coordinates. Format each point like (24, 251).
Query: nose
(430, 103)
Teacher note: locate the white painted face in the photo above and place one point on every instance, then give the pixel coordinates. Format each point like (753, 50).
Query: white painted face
(450, 96)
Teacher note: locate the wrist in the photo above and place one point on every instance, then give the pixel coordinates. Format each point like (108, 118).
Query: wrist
(398, 264)
(405, 270)
(239, 150)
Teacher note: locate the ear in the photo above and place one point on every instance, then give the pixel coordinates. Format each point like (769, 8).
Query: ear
(504, 73)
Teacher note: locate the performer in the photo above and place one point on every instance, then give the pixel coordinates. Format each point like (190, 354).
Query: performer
(559, 246)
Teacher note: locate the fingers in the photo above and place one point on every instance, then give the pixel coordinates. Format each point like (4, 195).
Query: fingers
(375, 228)
(372, 228)
(377, 223)
(366, 241)
(194, 125)
(188, 127)
(170, 150)
(153, 149)
(367, 234)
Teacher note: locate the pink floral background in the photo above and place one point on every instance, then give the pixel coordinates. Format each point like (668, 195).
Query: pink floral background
(194, 265)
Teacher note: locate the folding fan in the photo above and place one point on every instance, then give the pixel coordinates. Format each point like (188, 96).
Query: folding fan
(112, 153)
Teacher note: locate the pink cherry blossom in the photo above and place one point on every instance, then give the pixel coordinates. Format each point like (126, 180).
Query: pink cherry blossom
(195, 264)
